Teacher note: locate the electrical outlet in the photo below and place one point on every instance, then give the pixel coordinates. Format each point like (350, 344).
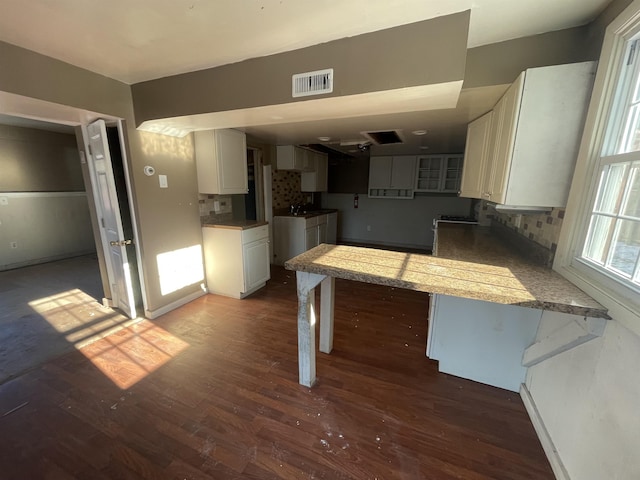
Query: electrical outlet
(13, 244)
(368, 228)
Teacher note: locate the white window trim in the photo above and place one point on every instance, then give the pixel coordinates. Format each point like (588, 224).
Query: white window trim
(622, 306)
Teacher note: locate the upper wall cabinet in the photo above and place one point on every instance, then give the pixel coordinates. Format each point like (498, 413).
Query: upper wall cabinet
(221, 159)
(477, 157)
(527, 155)
(292, 157)
(392, 177)
(439, 173)
(317, 179)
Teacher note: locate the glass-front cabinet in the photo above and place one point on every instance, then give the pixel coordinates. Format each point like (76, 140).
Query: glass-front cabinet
(439, 173)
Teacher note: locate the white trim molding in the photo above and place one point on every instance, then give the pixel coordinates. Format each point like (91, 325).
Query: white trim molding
(543, 435)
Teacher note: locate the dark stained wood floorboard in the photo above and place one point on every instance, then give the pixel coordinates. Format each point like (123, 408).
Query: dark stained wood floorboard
(218, 398)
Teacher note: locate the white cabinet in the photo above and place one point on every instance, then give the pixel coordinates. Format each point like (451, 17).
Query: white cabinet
(438, 173)
(477, 155)
(392, 177)
(236, 261)
(292, 157)
(534, 137)
(295, 235)
(317, 179)
(221, 160)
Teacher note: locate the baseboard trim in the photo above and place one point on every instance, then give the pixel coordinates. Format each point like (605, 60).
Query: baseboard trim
(153, 314)
(543, 435)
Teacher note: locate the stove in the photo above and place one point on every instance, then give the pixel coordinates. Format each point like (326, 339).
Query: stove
(454, 219)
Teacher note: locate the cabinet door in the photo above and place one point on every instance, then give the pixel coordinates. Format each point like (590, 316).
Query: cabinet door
(380, 172)
(322, 233)
(311, 237)
(476, 157)
(231, 151)
(429, 173)
(505, 121)
(256, 264)
(302, 159)
(316, 180)
(403, 173)
(451, 173)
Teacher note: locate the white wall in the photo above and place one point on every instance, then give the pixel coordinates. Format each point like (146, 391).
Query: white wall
(404, 223)
(45, 226)
(589, 401)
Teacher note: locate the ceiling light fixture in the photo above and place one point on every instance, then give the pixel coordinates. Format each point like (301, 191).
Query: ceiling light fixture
(324, 139)
(419, 132)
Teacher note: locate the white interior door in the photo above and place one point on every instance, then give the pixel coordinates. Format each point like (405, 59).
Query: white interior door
(108, 208)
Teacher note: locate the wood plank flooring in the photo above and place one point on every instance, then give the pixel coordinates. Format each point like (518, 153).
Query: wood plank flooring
(210, 391)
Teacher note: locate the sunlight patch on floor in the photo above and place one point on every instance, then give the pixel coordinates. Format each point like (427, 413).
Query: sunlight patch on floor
(129, 355)
(76, 315)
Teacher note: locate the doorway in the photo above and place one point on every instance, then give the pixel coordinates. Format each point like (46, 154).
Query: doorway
(50, 280)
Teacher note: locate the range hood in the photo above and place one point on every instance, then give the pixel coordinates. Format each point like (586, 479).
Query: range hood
(520, 209)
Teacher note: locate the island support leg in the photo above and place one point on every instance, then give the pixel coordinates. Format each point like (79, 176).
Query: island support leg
(306, 283)
(327, 295)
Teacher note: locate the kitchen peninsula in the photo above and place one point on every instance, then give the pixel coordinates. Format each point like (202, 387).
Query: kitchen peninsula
(472, 266)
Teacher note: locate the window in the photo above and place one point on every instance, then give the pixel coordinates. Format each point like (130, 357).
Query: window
(599, 248)
(612, 242)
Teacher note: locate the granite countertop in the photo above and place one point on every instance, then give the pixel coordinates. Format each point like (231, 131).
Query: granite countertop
(471, 263)
(286, 213)
(237, 224)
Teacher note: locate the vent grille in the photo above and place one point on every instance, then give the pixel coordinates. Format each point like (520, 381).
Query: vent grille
(312, 83)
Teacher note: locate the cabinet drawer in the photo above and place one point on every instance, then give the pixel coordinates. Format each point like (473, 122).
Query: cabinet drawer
(256, 233)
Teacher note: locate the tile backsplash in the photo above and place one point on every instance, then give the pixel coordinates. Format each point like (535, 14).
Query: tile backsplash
(207, 212)
(543, 229)
(286, 189)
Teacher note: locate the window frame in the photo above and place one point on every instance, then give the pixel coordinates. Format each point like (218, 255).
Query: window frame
(622, 302)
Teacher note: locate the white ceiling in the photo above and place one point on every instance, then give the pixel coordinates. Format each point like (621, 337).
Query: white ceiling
(133, 41)
(141, 40)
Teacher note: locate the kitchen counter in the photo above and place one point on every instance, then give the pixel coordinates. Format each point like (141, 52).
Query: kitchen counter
(471, 263)
(514, 293)
(237, 224)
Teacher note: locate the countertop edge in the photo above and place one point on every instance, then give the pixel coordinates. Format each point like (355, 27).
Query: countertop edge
(497, 298)
(231, 226)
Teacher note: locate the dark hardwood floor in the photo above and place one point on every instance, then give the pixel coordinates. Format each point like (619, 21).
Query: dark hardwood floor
(210, 391)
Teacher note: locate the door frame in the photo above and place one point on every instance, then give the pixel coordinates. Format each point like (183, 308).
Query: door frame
(120, 125)
(36, 109)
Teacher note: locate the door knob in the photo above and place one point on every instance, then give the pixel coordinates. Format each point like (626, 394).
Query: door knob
(120, 243)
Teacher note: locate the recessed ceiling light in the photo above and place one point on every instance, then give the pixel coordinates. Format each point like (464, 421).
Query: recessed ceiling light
(424, 147)
(324, 139)
(419, 132)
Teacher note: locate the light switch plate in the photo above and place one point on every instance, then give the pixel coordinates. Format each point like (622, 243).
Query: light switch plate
(163, 181)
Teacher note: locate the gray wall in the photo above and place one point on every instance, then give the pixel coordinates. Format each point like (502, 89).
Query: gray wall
(48, 217)
(394, 58)
(401, 223)
(34, 160)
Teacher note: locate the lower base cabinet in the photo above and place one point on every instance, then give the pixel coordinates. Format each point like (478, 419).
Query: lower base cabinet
(295, 235)
(236, 261)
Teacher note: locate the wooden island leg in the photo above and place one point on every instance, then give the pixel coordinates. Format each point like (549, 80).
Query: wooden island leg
(327, 295)
(306, 283)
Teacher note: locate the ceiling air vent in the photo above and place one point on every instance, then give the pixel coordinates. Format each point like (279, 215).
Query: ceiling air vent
(312, 83)
(383, 138)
